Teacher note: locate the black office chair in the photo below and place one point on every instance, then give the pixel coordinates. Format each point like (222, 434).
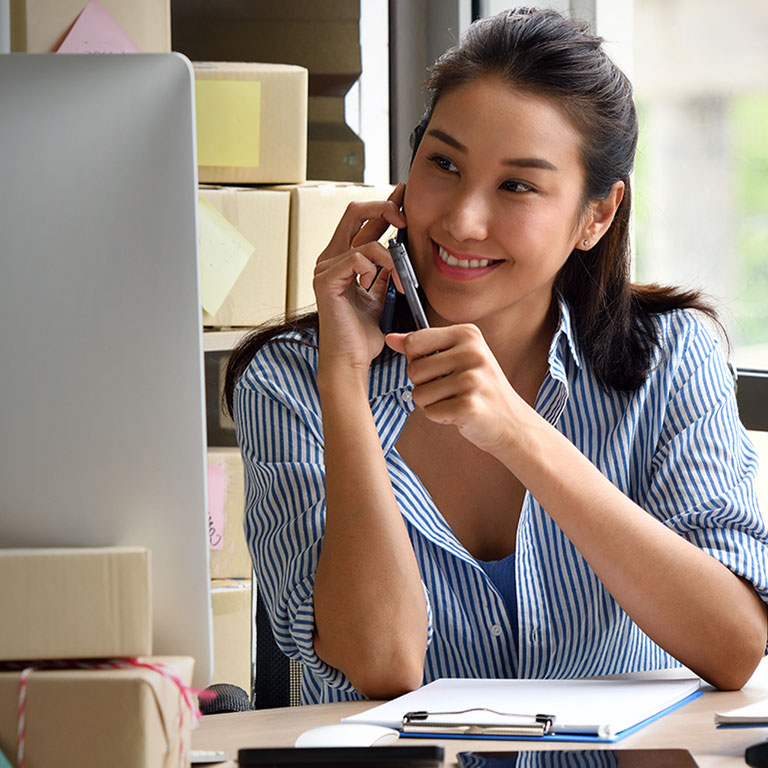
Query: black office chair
(276, 678)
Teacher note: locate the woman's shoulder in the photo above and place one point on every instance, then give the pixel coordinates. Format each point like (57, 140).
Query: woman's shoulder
(686, 328)
(288, 355)
(688, 339)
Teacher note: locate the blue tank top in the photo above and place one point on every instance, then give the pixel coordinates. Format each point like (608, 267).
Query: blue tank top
(502, 575)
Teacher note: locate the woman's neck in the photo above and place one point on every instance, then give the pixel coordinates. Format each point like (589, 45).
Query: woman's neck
(521, 340)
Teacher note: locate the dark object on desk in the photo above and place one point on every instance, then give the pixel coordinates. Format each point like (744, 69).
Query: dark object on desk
(229, 698)
(580, 758)
(348, 757)
(757, 755)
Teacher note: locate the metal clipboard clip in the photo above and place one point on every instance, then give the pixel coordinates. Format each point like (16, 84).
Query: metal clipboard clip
(446, 723)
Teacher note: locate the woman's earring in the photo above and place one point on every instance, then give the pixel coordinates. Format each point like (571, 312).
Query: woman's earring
(585, 243)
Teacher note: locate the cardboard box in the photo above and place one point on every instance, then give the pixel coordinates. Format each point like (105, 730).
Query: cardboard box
(232, 632)
(75, 603)
(40, 26)
(322, 37)
(251, 122)
(121, 718)
(316, 208)
(230, 558)
(261, 216)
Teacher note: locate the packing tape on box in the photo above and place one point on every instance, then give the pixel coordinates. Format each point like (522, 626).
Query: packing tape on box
(186, 693)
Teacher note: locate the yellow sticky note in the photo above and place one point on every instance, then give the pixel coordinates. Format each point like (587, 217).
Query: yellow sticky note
(228, 122)
(224, 252)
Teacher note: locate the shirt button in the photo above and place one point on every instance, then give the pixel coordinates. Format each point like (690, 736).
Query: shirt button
(407, 396)
(496, 630)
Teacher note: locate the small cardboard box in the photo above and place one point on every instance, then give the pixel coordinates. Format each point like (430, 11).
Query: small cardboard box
(232, 628)
(316, 208)
(259, 218)
(40, 26)
(79, 603)
(229, 555)
(251, 122)
(91, 718)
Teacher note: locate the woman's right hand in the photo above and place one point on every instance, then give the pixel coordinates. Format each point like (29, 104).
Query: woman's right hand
(349, 294)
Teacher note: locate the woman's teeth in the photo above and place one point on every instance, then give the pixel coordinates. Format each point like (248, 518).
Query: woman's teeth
(452, 261)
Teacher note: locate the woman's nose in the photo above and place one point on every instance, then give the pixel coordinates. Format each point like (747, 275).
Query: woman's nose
(467, 217)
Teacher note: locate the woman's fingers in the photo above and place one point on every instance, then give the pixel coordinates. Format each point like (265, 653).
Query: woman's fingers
(392, 216)
(364, 264)
(443, 362)
(379, 214)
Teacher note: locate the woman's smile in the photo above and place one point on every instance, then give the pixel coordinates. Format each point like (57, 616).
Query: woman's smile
(458, 266)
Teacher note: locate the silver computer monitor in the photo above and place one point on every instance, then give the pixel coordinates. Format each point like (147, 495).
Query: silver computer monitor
(102, 428)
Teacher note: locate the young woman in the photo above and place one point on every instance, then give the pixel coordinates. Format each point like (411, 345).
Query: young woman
(551, 480)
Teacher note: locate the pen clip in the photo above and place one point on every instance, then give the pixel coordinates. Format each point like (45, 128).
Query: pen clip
(397, 249)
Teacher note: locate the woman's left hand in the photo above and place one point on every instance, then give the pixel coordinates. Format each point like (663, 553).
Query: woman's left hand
(457, 380)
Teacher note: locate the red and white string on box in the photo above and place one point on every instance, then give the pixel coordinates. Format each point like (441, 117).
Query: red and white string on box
(188, 705)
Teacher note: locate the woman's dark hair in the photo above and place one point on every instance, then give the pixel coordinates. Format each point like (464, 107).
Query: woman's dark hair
(549, 55)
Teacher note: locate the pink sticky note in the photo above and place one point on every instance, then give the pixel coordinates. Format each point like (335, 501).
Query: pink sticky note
(217, 499)
(96, 31)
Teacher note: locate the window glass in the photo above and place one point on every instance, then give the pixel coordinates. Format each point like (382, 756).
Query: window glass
(700, 71)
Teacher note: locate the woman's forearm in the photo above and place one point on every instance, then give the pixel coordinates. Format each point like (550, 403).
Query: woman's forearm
(370, 612)
(685, 600)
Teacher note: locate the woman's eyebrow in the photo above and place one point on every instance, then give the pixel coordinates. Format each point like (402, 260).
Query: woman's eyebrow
(517, 162)
(446, 138)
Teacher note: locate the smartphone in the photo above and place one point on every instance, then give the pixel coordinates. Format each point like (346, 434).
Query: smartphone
(580, 758)
(404, 269)
(347, 757)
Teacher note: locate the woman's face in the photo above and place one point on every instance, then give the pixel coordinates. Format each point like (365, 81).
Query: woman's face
(493, 203)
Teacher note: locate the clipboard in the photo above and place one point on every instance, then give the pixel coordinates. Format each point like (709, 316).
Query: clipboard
(586, 710)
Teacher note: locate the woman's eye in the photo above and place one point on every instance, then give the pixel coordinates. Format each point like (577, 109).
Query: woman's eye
(516, 186)
(443, 163)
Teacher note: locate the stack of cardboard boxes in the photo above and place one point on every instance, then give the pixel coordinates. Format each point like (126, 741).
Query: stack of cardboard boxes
(320, 35)
(255, 202)
(262, 227)
(70, 610)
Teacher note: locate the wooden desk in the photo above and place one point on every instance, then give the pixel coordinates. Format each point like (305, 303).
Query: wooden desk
(690, 727)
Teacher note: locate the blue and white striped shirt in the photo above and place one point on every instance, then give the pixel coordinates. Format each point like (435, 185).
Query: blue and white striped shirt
(676, 447)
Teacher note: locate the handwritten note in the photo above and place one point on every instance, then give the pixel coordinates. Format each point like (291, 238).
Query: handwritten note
(224, 252)
(96, 31)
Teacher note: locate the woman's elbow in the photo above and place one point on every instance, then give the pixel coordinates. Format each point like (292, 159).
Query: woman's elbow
(736, 667)
(375, 674)
(387, 682)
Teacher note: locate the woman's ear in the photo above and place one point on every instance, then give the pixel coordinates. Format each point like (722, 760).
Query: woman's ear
(600, 217)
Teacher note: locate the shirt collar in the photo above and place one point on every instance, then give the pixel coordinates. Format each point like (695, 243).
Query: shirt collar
(564, 339)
